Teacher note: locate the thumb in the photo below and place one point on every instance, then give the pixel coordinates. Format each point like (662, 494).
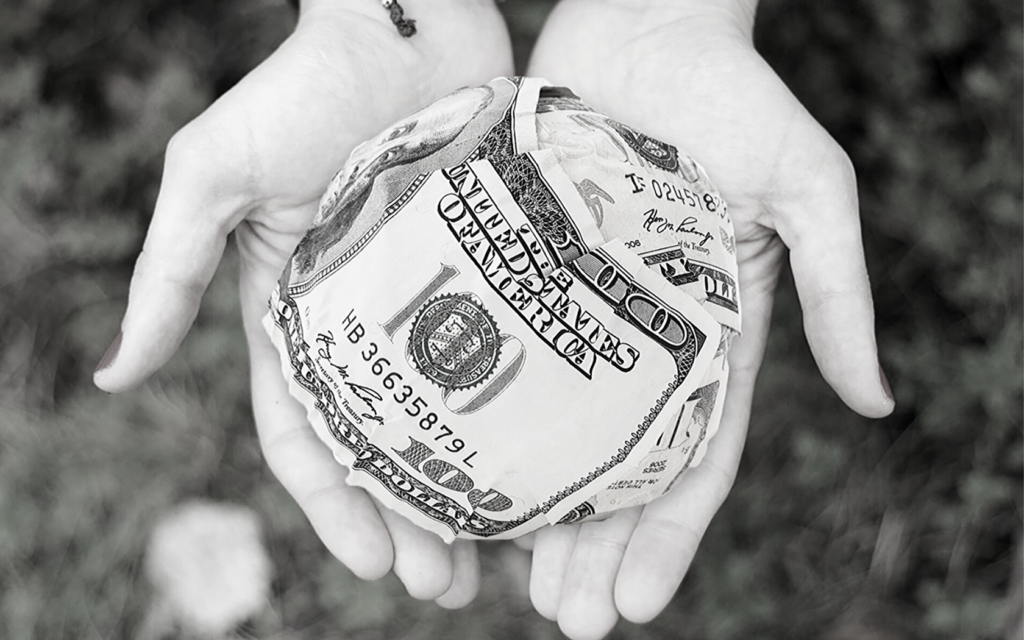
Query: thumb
(198, 205)
(818, 218)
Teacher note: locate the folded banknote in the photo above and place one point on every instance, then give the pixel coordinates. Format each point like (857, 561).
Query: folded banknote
(512, 311)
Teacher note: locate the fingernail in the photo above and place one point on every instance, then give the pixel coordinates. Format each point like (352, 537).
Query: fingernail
(108, 357)
(885, 385)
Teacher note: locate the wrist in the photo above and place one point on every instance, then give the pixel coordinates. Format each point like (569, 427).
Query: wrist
(329, 7)
(469, 13)
(376, 6)
(735, 15)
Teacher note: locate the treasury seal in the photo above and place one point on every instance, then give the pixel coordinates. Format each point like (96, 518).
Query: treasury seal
(658, 153)
(454, 342)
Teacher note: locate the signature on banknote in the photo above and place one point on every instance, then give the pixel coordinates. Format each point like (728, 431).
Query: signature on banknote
(658, 224)
(498, 339)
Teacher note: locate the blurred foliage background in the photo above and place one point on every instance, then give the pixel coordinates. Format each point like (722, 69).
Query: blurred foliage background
(838, 527)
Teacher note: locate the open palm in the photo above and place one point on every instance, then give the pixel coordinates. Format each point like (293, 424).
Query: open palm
(687, 73)
(256, 163)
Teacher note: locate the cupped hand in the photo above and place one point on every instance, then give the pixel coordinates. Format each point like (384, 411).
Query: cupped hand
(686, 72)
(256, 162)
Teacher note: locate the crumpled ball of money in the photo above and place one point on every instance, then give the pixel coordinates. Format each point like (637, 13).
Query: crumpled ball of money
(512, 311)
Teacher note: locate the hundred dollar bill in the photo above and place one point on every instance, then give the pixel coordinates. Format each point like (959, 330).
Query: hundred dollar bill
(681, 446)
(482, 367)
(483, 332)
(653, 197)
(383, 173)
(663, 206)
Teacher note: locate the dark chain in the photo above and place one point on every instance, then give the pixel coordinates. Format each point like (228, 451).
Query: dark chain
(406, 27)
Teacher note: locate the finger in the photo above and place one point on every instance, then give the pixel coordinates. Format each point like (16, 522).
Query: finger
(552, 551)
(525, 542)
(465, 576)
(344, 517)
(670, 528)
(423, 562)
(818, 219)
(198, 205)
(587, 608)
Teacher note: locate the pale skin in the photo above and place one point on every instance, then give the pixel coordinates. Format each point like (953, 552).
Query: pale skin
(684, 71)
(256, 163)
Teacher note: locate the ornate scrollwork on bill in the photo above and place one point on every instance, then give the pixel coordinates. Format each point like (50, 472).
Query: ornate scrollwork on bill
(510, 312)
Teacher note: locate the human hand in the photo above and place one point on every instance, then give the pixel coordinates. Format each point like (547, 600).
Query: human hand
(685, 72)
(256, 163)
